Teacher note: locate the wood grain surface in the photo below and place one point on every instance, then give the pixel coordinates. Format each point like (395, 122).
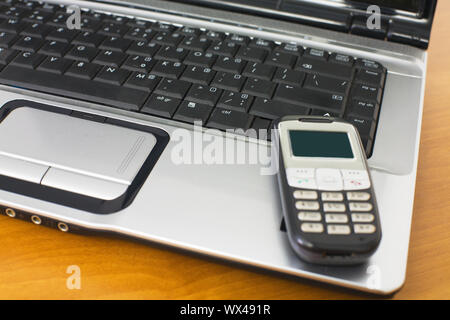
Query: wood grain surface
(33, 260)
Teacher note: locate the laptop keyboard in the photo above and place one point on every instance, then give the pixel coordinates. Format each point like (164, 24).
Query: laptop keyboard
(186, 74)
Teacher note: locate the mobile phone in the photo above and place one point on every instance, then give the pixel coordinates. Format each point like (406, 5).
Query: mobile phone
(327, 195)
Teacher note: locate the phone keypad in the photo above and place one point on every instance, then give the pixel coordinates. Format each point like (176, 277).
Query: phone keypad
(335, 213)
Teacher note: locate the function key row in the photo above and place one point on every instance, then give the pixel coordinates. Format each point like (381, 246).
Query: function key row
(334, 207)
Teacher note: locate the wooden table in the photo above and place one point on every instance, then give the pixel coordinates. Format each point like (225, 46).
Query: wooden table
(33, 260)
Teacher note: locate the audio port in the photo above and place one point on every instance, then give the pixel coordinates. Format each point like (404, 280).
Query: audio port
(10, 212)
(36, 219)
(63, 227)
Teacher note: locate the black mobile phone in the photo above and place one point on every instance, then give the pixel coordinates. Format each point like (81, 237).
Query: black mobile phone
(326, 190)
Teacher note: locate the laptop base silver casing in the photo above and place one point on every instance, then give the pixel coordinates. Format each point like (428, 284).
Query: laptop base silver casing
(231, 211)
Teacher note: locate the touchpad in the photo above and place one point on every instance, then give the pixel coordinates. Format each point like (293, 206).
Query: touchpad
(91, 158)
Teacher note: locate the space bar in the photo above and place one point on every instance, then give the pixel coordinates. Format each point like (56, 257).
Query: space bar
(94, 91)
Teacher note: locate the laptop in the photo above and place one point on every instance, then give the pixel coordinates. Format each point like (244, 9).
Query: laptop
(116, 115)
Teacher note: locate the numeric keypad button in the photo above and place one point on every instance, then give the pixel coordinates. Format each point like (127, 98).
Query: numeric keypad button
(309, 216)
(338, 229)
(332, 196)
(333, 207)
(305, 195)
(312, 227)
(307, 205)
(358, 196)
(364, 228)
(336, 218)
(363, 217)
(360, 206)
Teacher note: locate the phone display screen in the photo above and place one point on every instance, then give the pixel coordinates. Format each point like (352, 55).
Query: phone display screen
(320, 144)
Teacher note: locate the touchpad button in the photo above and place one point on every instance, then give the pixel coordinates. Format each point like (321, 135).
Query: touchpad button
(91, 158)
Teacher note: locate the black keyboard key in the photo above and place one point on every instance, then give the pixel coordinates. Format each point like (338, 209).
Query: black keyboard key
(323, 113)
(7, 39)
(310, 98)
(260, 88)
(260, 129)
(199, 58)
(163, 27)
(252, 54)
(270, 109)
(259, 70)
(142, 81)
(316, 54)
(140, 34)
(54, 48)
(235, 101)
(110, 58)
(168, 69)
(366, 92)
(192, 112)
(283, 75)
(89, 24)
(262, 44)
(188, 31)
(137, 23)
(89, 39)
(27, 43)
(38, 30)
(6, 55)
(12, 26)
(27, 59)
(116, 19)
(112, 29)
(369, 64)
(98, 92)
(281, 59)
(195, 43)
(161, 105)
(222, 48)
(290, 48)
(143, 48)
(37, 16)
(139, 63)
(204, 94)
(85, 70)
(55, 64)
(366, 128)
(167, 38)
(171, 53)
(323, 83)
(62, 34)
(238, 39)
(227, 64)
(365, 109)
(199, 75)
(115, 43)
(12, 12)
(228, 81)
(82, 53)
(215, 35)
(173, 88)
(112, 75)
(341, 59)
(58, 20)
(224, 119)
(370, 77)
(330, 69)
